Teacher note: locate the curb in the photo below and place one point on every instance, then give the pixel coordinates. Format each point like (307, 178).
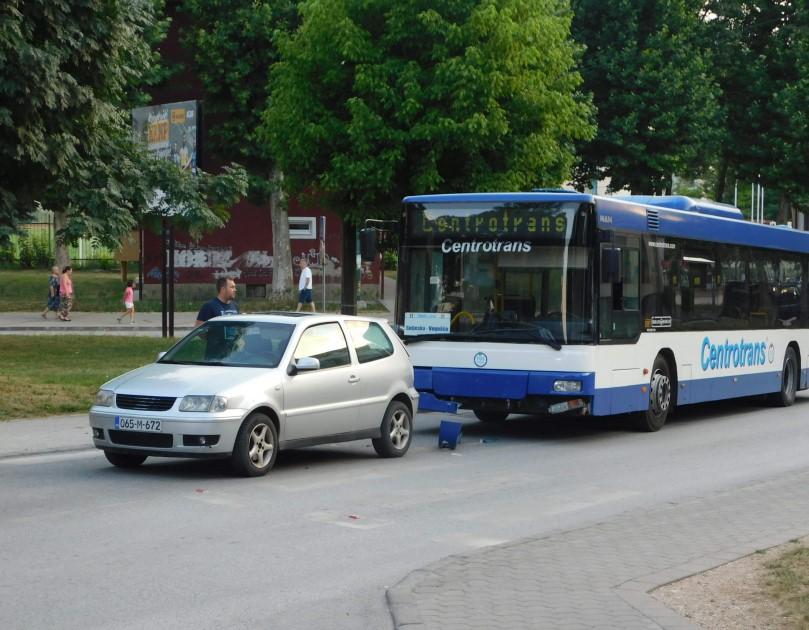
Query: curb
(50, 451)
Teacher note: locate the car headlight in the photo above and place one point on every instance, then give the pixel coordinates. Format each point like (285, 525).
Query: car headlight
(104, 398)
(203, 403)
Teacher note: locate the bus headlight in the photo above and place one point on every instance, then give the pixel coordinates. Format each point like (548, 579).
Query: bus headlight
(567, 387)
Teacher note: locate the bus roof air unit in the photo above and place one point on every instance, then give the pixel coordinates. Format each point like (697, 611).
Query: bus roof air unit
(687, 204)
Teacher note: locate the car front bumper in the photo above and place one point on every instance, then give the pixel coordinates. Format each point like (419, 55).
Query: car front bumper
(186, 435)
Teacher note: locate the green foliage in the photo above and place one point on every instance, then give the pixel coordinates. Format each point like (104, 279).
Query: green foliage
(646, 68)
(69, 72)
(233, 46)
(35, 251)
(65, 67)
(760, 59)
(390, 259)
(376, 99)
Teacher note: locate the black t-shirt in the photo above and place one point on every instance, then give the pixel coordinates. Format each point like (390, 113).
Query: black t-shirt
(215, 308)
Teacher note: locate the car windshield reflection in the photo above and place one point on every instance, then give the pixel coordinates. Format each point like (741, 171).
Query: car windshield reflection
(232, 343)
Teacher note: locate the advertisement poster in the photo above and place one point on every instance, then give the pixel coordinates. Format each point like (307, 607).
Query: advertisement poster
(169, 132)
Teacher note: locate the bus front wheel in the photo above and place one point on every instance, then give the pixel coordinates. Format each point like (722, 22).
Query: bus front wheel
(789, 380)
(660, 398)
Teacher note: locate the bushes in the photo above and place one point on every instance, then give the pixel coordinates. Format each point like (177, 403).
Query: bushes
(35, 251)
(390, 259)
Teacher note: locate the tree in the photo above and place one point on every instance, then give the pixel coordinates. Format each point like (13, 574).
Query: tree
(657, 103)
(233, 45)
(69, 71)
(373, 100)
(759, 60)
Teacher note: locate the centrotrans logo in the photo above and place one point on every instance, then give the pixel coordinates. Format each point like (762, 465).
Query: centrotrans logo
(725, 355)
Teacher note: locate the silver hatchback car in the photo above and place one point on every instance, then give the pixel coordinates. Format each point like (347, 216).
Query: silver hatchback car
(246, 386)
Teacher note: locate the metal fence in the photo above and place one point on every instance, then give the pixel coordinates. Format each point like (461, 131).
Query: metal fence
(34, 247)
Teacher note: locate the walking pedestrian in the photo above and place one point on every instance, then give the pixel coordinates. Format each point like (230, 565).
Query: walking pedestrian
(305, 286)
(222, 304)
(129, 303)
(66, 293)
(53, 293)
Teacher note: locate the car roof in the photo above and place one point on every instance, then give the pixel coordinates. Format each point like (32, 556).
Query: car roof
(292, 317)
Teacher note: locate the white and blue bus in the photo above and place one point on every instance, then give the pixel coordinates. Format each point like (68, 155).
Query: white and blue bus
(550, 302)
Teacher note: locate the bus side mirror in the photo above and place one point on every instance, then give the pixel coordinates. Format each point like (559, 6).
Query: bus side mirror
(369, 245)
(611, 267)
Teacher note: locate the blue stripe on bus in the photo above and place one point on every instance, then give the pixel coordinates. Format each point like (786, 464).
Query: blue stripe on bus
(632, 398)
(517, 384)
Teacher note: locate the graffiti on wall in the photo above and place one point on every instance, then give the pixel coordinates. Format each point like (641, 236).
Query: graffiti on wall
(250, 265)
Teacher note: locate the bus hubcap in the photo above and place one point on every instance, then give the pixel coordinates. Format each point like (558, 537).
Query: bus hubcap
(661, 393)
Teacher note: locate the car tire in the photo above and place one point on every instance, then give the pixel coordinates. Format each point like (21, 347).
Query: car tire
(491, 416)
(124, 460)
(256, 447)
(661, 398)
(397, 431)
(789, 381)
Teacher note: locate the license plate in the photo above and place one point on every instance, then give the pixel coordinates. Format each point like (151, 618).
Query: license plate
(149, 425)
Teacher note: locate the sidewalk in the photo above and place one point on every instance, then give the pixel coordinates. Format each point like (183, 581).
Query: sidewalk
(146, 324)
(55, 434)
(600, 576)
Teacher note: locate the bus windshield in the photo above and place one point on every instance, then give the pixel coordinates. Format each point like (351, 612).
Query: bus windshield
(513, 271)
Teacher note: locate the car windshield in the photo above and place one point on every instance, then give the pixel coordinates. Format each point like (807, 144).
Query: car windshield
(235, 343)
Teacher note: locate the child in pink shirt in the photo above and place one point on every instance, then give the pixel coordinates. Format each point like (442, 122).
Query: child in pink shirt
(129, 303)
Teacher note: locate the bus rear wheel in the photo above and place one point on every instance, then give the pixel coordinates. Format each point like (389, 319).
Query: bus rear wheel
(660, 398)
(789, 381)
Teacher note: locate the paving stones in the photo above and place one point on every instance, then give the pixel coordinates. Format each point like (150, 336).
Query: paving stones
(599, 576)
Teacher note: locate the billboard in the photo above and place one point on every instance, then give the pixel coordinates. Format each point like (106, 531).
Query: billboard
(169, 132)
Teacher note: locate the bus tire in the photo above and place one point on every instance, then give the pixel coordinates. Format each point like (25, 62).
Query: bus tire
(789, 380)
(661, 387)
(491, 416)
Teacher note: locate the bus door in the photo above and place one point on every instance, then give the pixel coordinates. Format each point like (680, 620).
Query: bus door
(619, 290)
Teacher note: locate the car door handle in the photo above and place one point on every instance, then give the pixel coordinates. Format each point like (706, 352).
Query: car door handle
(353, 379)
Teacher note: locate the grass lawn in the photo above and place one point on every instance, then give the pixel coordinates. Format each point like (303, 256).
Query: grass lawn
(48, 375)
(788, 584)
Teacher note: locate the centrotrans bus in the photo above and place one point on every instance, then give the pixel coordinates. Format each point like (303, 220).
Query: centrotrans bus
(550, 302)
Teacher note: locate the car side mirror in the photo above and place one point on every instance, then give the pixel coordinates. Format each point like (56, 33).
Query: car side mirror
(304, 364)
(160, 355)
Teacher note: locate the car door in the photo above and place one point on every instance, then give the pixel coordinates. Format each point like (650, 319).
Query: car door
(321, 402)
(377, 369)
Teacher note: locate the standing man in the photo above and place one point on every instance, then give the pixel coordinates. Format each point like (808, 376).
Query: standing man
(305, 286)
(222, 304)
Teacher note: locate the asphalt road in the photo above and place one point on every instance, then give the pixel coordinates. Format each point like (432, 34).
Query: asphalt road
(182, 544)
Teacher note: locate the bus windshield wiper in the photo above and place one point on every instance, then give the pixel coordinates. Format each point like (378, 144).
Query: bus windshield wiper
(438, 337)
(534, 333)
(540, 334)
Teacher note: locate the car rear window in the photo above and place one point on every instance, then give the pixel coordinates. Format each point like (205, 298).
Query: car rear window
(370, 341)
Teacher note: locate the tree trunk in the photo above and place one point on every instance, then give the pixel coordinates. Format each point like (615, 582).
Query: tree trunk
(721, 177)
(281, 250)
(60, 247)
(784, 209)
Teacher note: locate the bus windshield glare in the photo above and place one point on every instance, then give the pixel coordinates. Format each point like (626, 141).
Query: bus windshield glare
(517, 272)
